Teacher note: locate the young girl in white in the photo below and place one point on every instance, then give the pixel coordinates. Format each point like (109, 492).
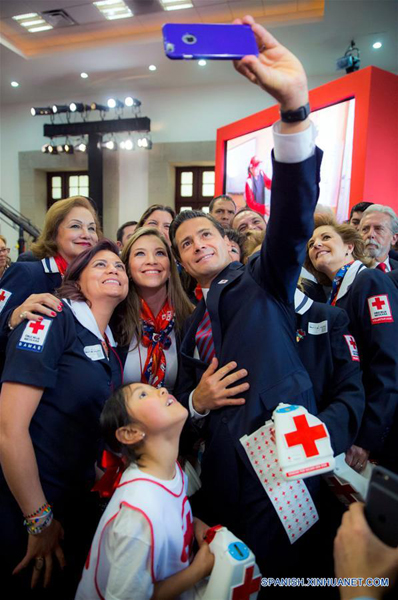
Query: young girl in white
(143, 543)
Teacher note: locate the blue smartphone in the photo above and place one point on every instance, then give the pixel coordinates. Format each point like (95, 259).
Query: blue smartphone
(210, 41)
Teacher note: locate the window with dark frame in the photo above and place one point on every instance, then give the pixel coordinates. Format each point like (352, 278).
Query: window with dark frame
(194, 188)
(65, 184)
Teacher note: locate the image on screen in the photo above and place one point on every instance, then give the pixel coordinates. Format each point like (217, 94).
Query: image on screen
(249, 168)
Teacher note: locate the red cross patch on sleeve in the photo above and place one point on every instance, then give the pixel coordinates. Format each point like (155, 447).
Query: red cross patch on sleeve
(34, 335)
(380, 309)
(352, 346)
(4, 297)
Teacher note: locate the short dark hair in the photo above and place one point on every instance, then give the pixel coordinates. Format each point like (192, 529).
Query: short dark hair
(221, 197)
(186, 215)
(360, 207)
(115, 415)
(120, 231)
(234, 236)
(248, 209)
(70, 287)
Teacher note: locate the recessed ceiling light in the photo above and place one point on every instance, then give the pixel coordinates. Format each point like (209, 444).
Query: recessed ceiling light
(33, 22)
(377, 45)
(152, 68)
(202, 62)
(176, 4)
(83, 75)
(113, 9)
(14, 84)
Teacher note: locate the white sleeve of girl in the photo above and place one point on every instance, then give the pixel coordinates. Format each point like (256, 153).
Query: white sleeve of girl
(130, 560)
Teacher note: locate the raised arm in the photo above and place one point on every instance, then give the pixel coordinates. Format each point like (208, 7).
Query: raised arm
(296, 165)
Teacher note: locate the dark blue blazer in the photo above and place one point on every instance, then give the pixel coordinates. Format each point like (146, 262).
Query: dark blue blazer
(253, 322)
(377, 340)
(393, 275)
(323, 345)
(20, 281)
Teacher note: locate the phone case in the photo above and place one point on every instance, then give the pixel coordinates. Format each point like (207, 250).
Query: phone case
(381, 508)
(211, 41)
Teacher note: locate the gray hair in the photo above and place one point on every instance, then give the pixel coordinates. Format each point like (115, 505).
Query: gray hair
(387, 210)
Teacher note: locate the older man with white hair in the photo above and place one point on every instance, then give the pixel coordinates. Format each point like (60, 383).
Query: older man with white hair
(379, 230)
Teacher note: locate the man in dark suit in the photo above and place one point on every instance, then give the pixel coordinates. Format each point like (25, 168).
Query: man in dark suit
(252, 321)
(379, 230)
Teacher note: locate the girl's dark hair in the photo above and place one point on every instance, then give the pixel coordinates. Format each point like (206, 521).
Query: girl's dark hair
(115, 415)
(70, 287)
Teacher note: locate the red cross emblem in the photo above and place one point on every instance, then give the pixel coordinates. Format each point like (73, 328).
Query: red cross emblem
(2, 296)
(248, 587)
(305, 435)
(343, 490)
(352, 346)
(188, 539)
(378, 303)
(36, 326)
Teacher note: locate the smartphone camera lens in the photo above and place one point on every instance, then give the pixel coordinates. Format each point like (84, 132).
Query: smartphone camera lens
(188, 38)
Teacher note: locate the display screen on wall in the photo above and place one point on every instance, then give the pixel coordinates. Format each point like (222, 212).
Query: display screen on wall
(249, 168)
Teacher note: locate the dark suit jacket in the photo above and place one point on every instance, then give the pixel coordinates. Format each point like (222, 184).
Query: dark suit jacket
(393, 264)
(323, 344)
(377, 344)
(253, 322)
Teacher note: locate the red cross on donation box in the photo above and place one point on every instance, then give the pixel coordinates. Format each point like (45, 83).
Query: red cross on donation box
(305, 435)
(249, 586)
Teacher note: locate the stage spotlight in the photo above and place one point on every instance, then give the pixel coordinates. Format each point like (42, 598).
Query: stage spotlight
(60, 108)
(44, 148)
(145, 142)
(81, 147)
(127, 144)
(37, 112)
(110, 145)
(350, 62)
(52, 149)
(115, 103)
(68, 148)
(79, 107)
(101, 107)
(60, 148)
(129, 101)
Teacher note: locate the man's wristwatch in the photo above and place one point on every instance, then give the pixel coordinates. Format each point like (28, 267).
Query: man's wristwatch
(294, 116)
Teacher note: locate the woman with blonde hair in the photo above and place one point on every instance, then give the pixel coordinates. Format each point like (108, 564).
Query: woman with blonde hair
(70, 227)
(335, 256)
(149, 322)
(5, 260)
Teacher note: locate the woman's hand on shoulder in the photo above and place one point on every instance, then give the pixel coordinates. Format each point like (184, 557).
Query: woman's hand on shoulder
(44, 304)
(41, 549)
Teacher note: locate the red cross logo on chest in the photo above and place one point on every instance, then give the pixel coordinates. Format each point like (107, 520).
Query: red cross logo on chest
(249, 586)
(353, 343)
(36, 327)
(2, 296)
(305, 435)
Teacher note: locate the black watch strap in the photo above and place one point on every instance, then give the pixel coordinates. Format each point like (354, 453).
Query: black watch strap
(294, 116)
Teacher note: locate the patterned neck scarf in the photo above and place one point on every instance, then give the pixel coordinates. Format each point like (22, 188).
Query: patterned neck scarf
(61, 264)
(156, 337)
(338, 278)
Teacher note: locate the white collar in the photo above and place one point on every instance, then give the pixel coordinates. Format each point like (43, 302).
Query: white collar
(349, 277)
(49, 265)
(83, 314)
(301, 302)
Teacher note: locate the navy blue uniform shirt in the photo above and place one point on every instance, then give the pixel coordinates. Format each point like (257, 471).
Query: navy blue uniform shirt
(77, 379)
(371, 301)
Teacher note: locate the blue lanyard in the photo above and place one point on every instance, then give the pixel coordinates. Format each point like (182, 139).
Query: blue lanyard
(337, 282)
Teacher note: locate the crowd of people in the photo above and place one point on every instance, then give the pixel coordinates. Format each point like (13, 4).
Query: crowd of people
(173, 342)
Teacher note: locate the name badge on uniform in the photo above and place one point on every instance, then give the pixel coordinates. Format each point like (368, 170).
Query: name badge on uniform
(94, 352)
(318, 328)
(222, 281)
(34, 335)
(4, 296)
(380, 310)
